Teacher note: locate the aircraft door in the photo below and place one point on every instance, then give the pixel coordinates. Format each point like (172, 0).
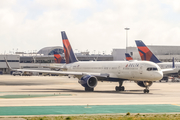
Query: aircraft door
(119, 70)
(141, 69)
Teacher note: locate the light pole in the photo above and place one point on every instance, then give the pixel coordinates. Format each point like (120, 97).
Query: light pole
(126, 37)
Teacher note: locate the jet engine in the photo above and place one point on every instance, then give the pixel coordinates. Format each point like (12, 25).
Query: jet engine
(144, 83)
(89, 82)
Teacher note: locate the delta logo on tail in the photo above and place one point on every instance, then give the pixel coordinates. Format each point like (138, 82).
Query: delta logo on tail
(69, 54)
(145, 53)
(58, 58)
(128, 57)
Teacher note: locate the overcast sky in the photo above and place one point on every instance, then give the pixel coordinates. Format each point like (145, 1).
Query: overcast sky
(93, 25)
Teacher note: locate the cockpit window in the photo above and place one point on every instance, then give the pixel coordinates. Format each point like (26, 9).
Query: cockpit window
(148, 69)
(152, 69)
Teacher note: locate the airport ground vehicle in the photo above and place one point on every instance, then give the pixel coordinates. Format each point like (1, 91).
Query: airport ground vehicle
(17, 73)
(164, 79)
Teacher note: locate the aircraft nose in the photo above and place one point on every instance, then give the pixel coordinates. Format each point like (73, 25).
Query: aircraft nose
(158, 75)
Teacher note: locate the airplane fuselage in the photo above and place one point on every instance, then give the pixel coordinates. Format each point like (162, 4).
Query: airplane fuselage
(127, 70)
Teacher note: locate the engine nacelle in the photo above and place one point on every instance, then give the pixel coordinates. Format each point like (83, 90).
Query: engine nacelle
(88, 81)
(144, 83)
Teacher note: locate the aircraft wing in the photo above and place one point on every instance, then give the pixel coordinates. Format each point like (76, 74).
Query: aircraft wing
(59, 72)
(60, 66)
(100, 76)
(54, 66)
(169, 71)
(50, 65)
(77, 74)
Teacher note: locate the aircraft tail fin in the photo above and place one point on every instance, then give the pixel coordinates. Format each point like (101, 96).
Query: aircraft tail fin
(68, 51)
(58, 58)
(128, 57)
(145, 53)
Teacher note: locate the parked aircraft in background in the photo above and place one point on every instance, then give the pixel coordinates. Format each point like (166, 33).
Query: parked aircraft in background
(90, 72)
(147, 55)
(59, 62)
(58, 58)
(128, 57)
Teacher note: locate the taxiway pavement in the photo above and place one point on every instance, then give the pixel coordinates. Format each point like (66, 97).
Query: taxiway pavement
(56, 90)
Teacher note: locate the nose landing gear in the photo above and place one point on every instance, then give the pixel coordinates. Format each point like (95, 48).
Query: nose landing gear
(147, 84)
(146, 90)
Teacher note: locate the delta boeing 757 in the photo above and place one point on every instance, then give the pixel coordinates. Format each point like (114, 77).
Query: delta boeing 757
(90, 72)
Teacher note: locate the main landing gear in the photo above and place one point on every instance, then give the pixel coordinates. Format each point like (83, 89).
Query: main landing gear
(120, 87)
(89, 89)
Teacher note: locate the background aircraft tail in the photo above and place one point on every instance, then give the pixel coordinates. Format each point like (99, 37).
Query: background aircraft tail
(128, 57)
(69, 54)
(173, 64)
(145, 53)
(58, 58)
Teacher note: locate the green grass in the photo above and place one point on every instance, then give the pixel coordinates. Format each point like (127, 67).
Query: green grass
(111, 117)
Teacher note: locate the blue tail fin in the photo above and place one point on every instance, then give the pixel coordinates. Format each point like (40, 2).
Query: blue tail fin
(145, 53)
(69, 54)
(128, 57)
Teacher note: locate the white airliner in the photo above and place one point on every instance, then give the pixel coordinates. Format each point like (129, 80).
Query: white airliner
(90, 72)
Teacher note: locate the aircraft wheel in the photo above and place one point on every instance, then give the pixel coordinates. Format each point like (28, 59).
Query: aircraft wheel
(146, 91)
(117, 88)
(89, 89)
(122, 88)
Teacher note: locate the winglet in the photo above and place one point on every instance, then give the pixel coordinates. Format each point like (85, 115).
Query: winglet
(128, 57)
(173, 64)
(145, 53)
(9, 67)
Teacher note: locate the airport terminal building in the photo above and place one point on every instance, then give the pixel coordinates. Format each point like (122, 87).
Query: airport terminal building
(13, 61)
(46, 56)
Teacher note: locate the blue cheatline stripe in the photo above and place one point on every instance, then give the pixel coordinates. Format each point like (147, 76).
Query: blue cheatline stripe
(91, 109)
